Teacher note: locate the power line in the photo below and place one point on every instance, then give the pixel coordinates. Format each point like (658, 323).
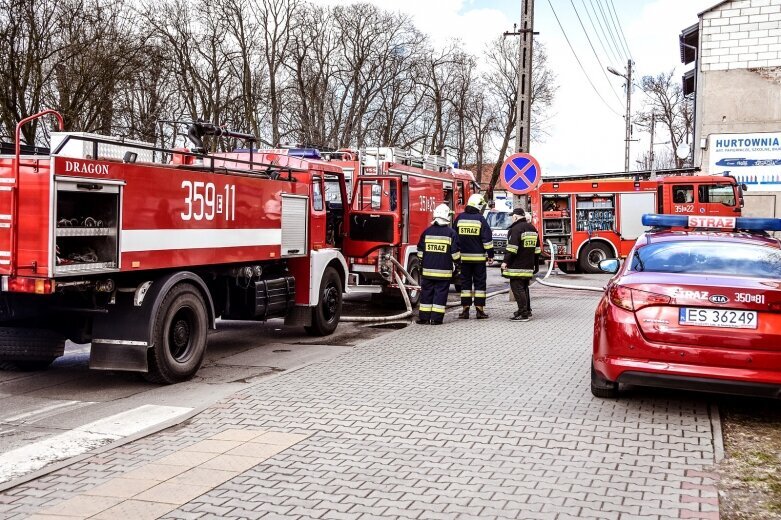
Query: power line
(612, 6)
(579, 62)
(613, 52)
(594, 28)
(601, 66)
(610, 30)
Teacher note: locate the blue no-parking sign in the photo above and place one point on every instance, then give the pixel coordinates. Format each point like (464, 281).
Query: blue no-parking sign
(521, 173)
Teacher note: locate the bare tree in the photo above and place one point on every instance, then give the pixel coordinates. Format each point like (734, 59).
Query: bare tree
(27, 48)
(502, 81)
(673, 111)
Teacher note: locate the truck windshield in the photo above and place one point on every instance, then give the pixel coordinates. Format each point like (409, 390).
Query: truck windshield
(499, 220)
(711, 258)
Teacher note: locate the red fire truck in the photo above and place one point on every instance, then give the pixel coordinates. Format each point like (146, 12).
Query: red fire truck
(394, 195)
(139, 250)
(591, 220)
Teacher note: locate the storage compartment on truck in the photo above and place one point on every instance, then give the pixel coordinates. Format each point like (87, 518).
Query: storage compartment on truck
(595, 213)
(87, 223)
(557, 224)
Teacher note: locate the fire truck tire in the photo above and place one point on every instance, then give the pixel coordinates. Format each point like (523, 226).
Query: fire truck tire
(29, 349)
(179, 335)
(414, 269)
(591, 255)
(325, 317)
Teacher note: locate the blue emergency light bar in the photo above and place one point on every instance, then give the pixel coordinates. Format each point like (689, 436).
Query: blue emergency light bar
(712, 222)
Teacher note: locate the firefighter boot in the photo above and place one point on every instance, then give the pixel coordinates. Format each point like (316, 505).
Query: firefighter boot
(464, 314)
(481, 315)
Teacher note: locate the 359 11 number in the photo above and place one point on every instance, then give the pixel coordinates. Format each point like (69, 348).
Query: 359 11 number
(202, 202)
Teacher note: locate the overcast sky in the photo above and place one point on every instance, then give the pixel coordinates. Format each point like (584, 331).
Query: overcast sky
(585, 135)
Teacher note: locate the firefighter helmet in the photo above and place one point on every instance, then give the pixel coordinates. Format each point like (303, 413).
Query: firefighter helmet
(476, 201)
(442, 215)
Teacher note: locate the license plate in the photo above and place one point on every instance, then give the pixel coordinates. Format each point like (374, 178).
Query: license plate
(718, 318)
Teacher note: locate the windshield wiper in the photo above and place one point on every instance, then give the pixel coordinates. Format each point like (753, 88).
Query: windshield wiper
(640, 263)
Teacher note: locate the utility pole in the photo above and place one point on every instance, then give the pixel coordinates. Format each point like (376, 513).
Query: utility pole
(524, 83)
(628, 117)
(652, 166)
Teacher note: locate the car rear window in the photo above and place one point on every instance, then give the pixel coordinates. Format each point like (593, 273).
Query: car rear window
(716, 258)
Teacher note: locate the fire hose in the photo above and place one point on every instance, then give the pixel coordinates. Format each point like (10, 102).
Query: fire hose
(543, 281)
(405, 288)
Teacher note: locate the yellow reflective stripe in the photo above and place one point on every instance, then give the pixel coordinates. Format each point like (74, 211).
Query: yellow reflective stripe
(488, 245)
(537, 251)
(512, 249)
(518, 273)
(424, 308)
(456, 256)
(466, 294)
(471, 257)
(420, 254)
(439, 308)
(479, 294)
(437, 273)
(439, 240)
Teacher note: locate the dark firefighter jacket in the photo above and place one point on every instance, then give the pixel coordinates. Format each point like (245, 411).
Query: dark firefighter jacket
(474, 236)
(523, 246)
(438, 249)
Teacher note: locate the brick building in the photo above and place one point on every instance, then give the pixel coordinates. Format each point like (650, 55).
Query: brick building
(736, 80)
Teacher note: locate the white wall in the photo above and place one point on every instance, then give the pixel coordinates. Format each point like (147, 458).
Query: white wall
(741, 34)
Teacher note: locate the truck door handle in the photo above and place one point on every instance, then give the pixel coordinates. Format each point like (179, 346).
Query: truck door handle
(89, 187)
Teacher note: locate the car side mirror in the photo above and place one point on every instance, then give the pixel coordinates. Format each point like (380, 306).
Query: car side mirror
(610, 265)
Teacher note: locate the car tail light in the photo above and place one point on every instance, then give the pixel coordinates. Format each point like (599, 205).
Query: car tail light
(621, 297)
(642, 299)
(775, 306)
(29, 285)
(633, 299)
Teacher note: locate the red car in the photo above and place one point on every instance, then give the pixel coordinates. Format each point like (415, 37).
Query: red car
(696, 306)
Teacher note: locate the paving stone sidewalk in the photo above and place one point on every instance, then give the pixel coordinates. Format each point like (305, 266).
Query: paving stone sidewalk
(488, 419)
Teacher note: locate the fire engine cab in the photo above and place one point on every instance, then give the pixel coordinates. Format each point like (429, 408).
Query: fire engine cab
(591, 220)
(394, 195)
(139, 250)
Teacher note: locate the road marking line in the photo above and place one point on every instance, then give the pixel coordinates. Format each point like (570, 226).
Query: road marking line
(38, 411)
(34, 456)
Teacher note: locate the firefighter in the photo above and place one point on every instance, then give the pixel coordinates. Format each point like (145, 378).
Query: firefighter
(477, 248)
(438, 250)
(520, 261)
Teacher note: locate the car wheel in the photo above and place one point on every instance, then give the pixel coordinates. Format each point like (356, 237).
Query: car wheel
(179, 335)
(325, 317)
(591, 255)
(601, 387)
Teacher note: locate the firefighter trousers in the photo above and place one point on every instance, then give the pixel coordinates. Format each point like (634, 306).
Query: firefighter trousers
(433, 299)
(474, 278)
(520, 289)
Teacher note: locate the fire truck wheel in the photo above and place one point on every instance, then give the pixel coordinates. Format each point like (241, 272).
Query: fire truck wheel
(179, 336)
(325, 317)
(28, 349)
(414, 269)
(591, 255)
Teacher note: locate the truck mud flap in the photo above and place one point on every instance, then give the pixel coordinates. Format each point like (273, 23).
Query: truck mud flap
(120, 339)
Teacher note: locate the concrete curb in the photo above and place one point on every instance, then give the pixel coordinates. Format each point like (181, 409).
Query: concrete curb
(718, 439)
